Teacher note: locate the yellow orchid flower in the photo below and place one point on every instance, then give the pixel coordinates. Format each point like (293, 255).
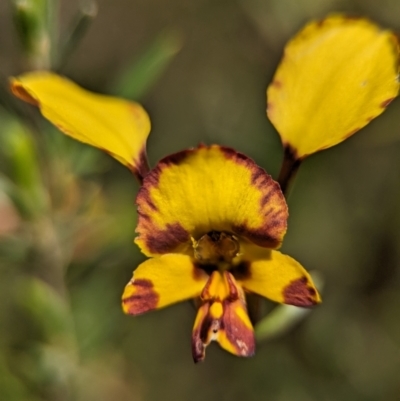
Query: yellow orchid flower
(209, 218)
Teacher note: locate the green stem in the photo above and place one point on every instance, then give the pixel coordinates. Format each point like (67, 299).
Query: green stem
(79, 26)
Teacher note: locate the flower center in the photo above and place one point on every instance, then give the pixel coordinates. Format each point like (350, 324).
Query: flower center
(216, 247)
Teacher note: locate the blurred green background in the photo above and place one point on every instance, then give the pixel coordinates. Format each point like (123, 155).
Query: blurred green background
(67, 214)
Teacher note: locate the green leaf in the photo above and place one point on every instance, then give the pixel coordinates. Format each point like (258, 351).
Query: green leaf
(49, 310)
(140, 75)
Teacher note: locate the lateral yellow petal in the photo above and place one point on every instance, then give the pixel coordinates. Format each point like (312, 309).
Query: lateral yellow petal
(277, 277)
(196, 191)
(116, 126)
(162, 281)
(336, 75)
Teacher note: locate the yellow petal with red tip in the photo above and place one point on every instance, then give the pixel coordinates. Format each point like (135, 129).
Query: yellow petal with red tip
(193, 192)
(222, 318)
(237, 335)
(336, 75)
(114, 125)
(162, 281)
(278, 277)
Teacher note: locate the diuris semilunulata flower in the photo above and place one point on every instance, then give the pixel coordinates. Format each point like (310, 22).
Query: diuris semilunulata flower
(210, 219)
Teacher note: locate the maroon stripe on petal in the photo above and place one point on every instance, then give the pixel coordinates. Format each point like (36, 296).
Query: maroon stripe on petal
(164, 241)
(262, 237)
(300, 293)
(143, 300)
(239, 335)
(200, 334)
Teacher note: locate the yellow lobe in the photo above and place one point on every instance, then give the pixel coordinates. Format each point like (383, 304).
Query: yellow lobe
(336, 75)
(278, 277)
(216, 310)
(114, 125)
(162, 281)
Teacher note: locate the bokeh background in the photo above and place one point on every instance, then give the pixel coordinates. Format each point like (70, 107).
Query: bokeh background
(67, 214)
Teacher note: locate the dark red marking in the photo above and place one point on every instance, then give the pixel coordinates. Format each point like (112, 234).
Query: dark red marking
(241, 271)
(199, 336)
(300, 293)
(198, 273)
(386, 102)
(233, 291)
(238, 334)
(18, 90)
(277, 84)
(144, 300)
(167, 240)
(263, 236)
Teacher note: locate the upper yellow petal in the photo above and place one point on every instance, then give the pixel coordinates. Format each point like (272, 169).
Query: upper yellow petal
(161, 281)
(209, 188)
(116, 126)
(336, 75)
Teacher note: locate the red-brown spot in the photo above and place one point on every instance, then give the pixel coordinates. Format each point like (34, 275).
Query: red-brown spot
(167, 240)
(276, 84)
(19, 91)
(266, 198)
(241, 271)
(143, 300)
(268, 236)
(386, 102)
(300, 293)
(199, 273)
(143, 198)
